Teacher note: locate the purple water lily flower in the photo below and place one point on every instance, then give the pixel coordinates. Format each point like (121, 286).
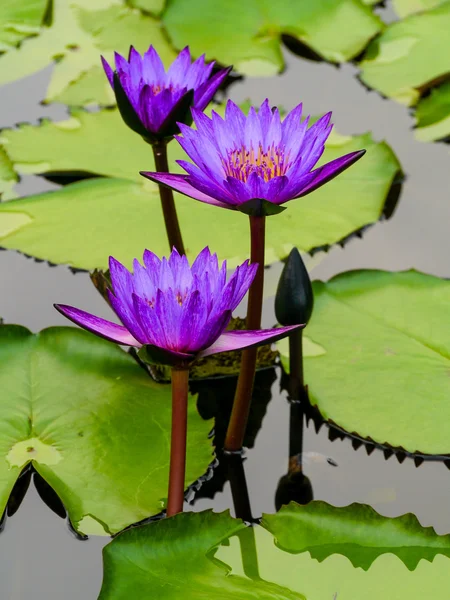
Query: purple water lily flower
(253, 163)
(176, 311)
(151, 101)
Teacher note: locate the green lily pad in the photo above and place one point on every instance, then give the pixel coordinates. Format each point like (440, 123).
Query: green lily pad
(95, 426)
(123, 216)
(19, 20)
(256, 26)
(81, 30)
(155, 7)
(385, 371)
(410, 56)
(208, 555)
(356, 531)
(173, 558)
(433, 115)
(407, 7)
(8, 177)
(336, 578)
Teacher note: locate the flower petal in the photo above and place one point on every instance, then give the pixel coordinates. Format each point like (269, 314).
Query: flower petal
(176, 75)
(204, 94)
(101, 327)
(330, 170)
(109, 72)
(180, 183)
(152, 68)
(236, 340)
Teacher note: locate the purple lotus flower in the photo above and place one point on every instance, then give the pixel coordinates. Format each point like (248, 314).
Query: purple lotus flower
(253, 163)
(176, 311)
(151, 101)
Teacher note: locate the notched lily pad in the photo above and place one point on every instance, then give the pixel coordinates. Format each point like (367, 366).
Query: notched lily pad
(208, 555)
(174, 558)
(8, 176)
(19, 20)
(257, 26)
(385, 371)
(356, 531)
(407, 7)
(93, 425)
(433, 115)
(410, 56)
(79, 31)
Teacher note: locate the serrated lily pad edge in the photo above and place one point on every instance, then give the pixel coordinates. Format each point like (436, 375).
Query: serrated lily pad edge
(335, 431)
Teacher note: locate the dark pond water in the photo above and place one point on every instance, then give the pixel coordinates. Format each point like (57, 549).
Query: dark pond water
(39, 557)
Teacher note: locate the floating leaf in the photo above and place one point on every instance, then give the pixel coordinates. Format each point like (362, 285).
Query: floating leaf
(172, 559)
(19, 19)
(8, 177)
(336, 578)
(356, 531)
(255, 28)
(181, 557)
(385, 371)
(433, 115)
(122, 217)
(410, 56)
(95, 426)
(155, 7)
(406, 7)
(81, 30)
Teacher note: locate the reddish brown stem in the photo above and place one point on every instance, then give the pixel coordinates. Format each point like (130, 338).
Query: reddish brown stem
(243, 397)
(167, 201)
(180, 379)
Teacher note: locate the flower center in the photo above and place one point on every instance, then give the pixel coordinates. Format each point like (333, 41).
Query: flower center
(268, 164)
(157, 88)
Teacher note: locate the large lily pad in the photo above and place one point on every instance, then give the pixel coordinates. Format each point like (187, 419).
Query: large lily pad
(255, 28)
(19, 20)
(123, 216)
(383, 371)
(169, 560)
(356, 531)
(181, 557)
(433, 115)
(407, 7)
(80, 31)
(155, 7)
(8, 176)
(336, 578)
(95, 426)
(410, 56)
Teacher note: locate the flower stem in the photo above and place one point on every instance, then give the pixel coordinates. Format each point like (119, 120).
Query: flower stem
(180, 379)
(296, 381)
(167, 201)
(243, 397)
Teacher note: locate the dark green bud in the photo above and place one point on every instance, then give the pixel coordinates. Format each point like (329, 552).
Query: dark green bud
(294, 299)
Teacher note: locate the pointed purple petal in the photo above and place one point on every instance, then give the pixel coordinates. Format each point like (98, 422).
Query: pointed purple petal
(109, 72)
(236, 340)
(101, 327)
(207, 182)
(291, 124)
(204, 94)
(121, 63)
(176, 75)
(126, 314)
(236, 120)
(180, 183)
(153, 70)
(149, 322)
(330, 171)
